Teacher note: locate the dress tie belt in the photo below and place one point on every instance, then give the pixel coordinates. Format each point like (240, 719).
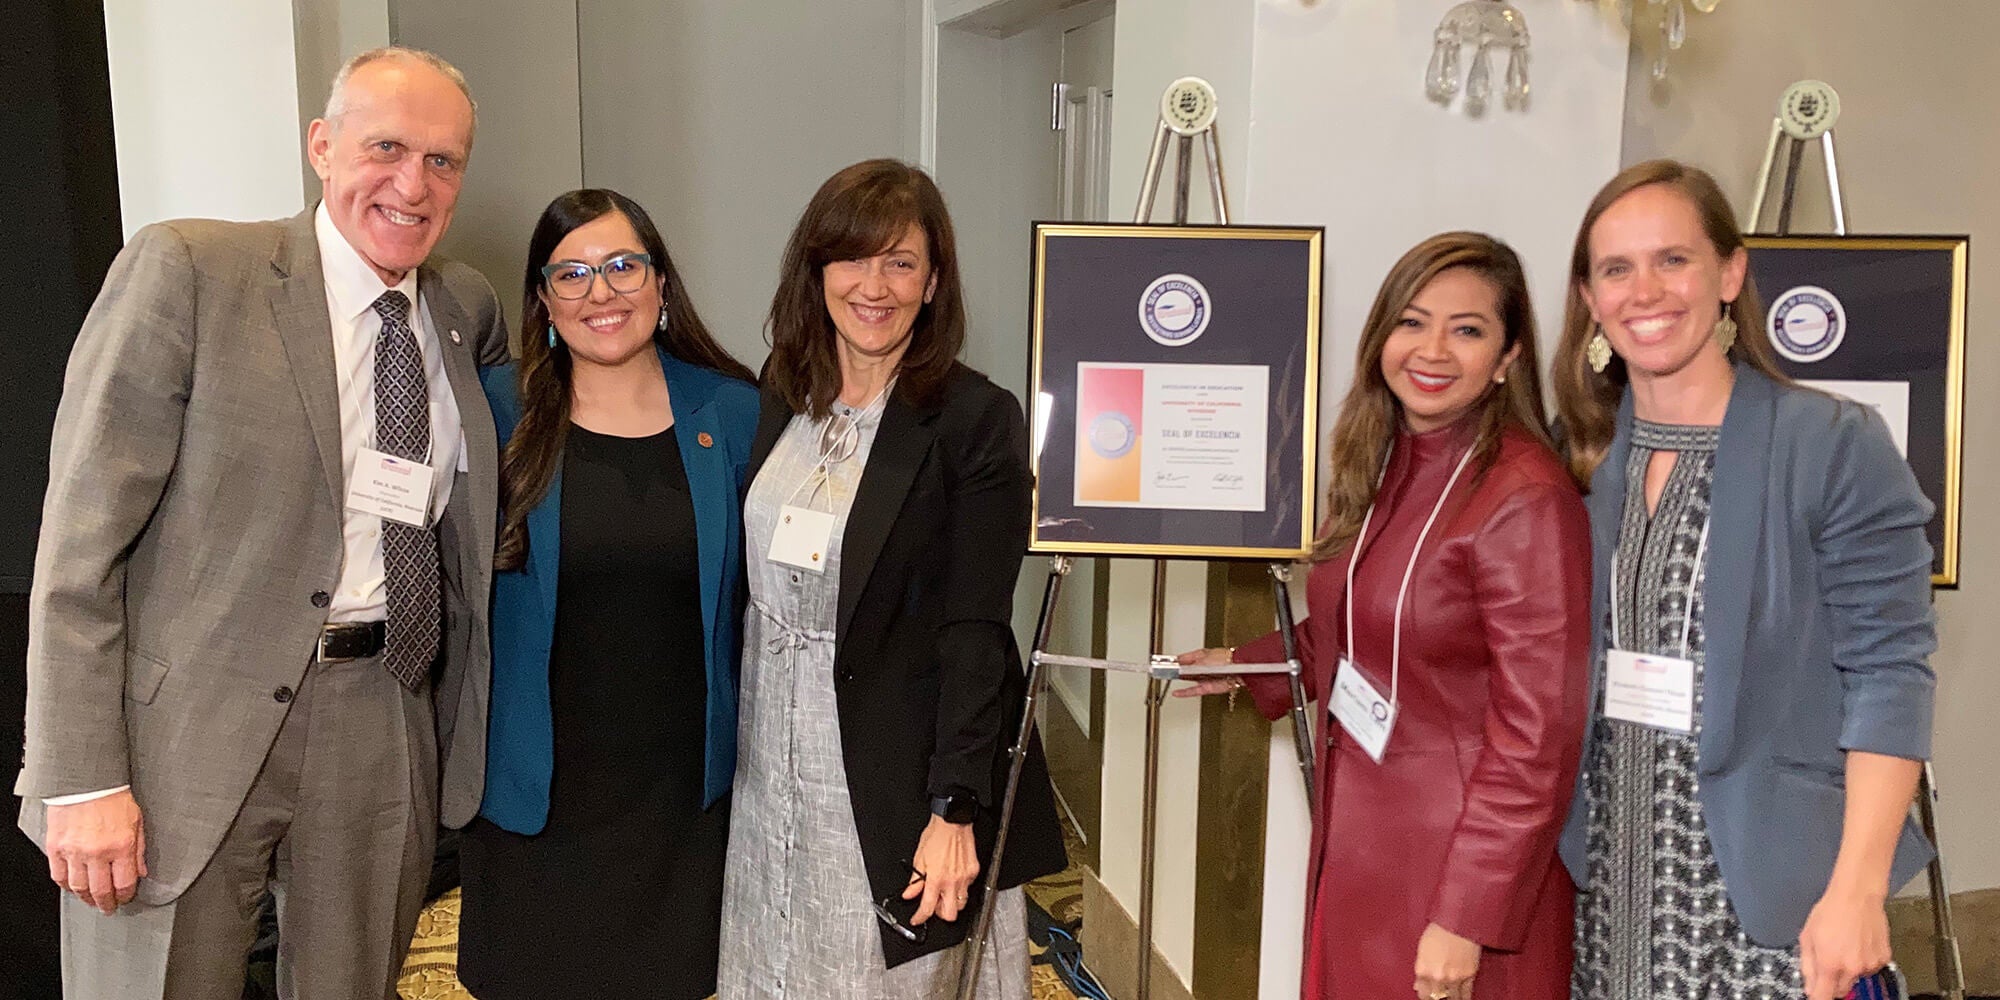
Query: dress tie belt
(788, 637)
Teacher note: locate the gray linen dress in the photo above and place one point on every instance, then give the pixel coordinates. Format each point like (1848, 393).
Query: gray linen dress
(797, 920)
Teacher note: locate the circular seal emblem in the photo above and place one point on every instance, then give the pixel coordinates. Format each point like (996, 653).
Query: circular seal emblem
(1112, 434)
(1174, 310)
(1380, 711)
(1807, 323)
(1808, 109)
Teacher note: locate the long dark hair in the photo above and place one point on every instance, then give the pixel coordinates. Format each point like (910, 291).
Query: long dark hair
(859, 212)
(1369, 415)
(528, 464)
(1586, 400)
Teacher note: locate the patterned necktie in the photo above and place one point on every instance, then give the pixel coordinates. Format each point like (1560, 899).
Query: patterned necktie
(409, 554)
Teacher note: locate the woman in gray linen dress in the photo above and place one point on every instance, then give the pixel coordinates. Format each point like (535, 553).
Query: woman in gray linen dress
(795, 891)
(842, 744)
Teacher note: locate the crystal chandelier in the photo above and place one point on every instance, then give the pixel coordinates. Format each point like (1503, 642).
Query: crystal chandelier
(1485, 25)
(1673, 18)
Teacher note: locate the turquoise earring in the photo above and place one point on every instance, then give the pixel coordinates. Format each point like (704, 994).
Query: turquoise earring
(552, 336)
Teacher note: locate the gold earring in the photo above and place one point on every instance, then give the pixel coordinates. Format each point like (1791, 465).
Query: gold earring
(1725, 330)
(1598, 351)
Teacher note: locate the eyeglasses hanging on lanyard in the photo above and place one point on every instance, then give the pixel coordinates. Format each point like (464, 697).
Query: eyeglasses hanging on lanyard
(802, 534)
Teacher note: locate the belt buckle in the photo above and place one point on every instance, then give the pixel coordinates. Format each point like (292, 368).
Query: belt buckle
(319, 648)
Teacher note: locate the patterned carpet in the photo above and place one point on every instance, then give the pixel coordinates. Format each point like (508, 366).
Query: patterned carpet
(431, 971)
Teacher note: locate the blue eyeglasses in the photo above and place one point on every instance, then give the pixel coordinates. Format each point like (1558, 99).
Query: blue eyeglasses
(571, 279)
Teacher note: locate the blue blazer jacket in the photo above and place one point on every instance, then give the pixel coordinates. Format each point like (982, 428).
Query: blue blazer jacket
(1819, 627)
(520, 754)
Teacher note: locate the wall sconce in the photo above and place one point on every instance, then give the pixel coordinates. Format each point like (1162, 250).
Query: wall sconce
(1485, 25)
(1673, 18)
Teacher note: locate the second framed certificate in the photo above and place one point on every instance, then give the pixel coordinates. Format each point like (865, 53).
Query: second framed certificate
(1174, 379)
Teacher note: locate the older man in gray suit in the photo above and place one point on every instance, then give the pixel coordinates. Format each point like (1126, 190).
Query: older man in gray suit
(258, 637)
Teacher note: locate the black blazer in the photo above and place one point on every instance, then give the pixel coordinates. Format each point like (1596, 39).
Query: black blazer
(927, 676)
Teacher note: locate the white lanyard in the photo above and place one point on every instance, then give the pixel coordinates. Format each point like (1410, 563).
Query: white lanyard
(1687, 615)
(1347, 596)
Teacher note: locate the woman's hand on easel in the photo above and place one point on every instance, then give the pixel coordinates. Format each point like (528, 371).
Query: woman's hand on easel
(1216, 657)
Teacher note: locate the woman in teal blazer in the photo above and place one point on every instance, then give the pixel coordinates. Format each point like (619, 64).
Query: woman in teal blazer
(595, 866)
(1761, 694)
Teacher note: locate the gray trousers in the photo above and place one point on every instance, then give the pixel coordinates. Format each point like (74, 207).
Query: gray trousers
(340, 823)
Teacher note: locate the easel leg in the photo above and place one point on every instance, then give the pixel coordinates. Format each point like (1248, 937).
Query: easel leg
(1795, 156)
(1756, 210)
(1150, 184)
(1950, 965)
(968, 977)
(1833, 183)
(1301, 724)
(1149, 811)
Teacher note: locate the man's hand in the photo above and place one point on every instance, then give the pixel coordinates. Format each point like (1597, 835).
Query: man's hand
(97, 849)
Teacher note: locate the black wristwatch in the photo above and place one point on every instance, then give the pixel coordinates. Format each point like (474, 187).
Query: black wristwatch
(956, 807)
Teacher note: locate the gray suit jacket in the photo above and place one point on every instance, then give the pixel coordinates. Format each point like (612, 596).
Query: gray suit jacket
(193, 512)
(1818, 623)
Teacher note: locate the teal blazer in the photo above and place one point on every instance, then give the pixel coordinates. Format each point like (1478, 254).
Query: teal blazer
(520, 744)
(1819, 629)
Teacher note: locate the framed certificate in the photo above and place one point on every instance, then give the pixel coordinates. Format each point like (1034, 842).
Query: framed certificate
(1174, 385)
(1880, 320)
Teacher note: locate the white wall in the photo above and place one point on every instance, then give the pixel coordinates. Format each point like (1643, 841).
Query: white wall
(723, 117)
(204, 105)
(520, 59)
(996, 164)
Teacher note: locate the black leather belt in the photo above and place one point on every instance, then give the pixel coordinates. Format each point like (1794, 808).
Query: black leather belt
(351, 641)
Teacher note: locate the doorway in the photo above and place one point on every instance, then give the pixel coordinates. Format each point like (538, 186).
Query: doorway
(1023, 122)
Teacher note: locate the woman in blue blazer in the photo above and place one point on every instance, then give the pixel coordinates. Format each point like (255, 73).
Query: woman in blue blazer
(595, 866)
(1762, 702)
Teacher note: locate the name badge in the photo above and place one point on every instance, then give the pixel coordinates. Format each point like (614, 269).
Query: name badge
(1655, 691)
(801, 538)
(1361, 710)
(391, 487)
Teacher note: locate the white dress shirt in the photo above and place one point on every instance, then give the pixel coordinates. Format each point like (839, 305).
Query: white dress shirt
(351, 290)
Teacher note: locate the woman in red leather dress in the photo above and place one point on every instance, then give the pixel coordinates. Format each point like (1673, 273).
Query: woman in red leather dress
(1434, 870)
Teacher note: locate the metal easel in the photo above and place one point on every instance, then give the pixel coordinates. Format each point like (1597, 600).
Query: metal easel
(1187, 110)
(1807, 112)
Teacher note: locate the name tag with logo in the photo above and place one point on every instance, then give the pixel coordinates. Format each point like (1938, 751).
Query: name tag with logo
(801, 538)
(1361, 710)
(390, 487)
(1656, 691)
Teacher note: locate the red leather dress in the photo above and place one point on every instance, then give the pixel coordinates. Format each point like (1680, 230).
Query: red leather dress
(1458, 824)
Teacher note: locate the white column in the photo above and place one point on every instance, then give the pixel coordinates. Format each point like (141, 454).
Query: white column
(204, 104)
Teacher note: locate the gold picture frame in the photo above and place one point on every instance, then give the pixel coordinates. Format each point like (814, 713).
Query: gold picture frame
(1904, 299)
(1256, 293)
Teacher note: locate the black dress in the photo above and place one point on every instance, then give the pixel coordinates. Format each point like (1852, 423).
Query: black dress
(621, 893)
